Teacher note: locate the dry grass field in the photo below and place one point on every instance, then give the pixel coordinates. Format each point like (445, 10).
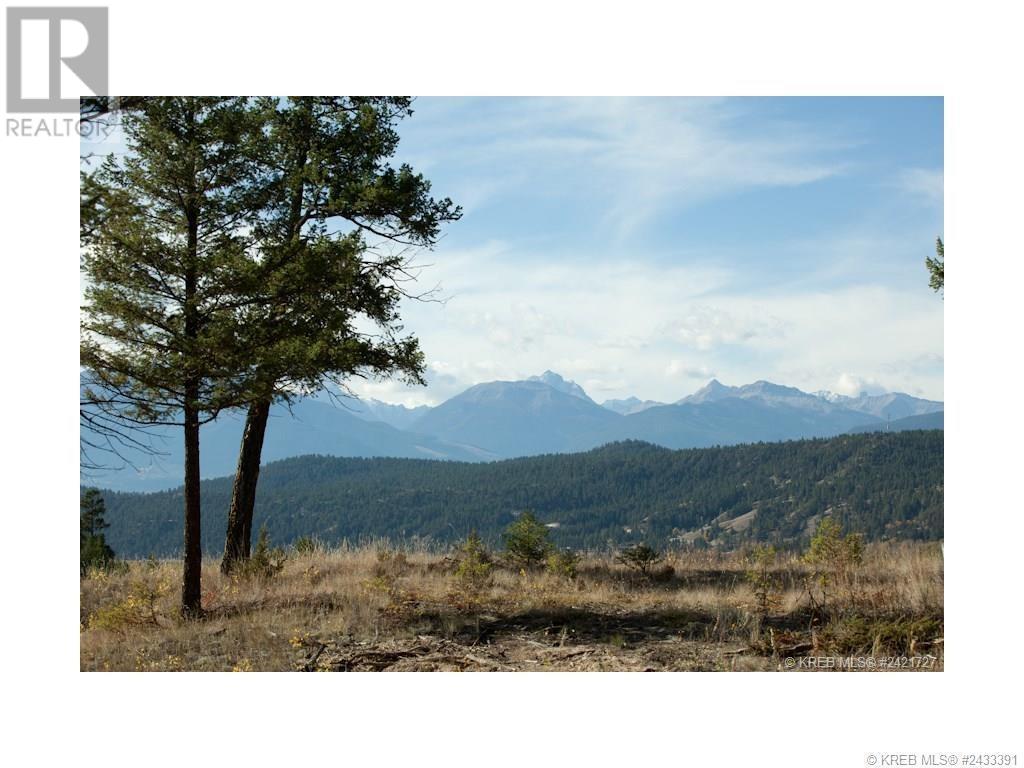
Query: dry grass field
(376, 608)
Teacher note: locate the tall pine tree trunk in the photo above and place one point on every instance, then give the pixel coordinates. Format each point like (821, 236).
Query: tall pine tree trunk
(238, 541)
(191, 584)
(191, 581)
(243, 495)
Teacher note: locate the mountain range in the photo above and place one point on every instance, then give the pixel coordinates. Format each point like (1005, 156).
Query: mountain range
(540, 415)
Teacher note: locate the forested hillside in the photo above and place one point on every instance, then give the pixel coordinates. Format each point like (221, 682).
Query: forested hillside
(882, 485)
(921, 421)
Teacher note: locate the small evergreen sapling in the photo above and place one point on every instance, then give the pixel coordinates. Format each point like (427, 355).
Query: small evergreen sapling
(766, 594)
(94, 552)
(835, 558)
(475, 564)
(640, 558)
(527, 541)
(564, 562)
(266, 561)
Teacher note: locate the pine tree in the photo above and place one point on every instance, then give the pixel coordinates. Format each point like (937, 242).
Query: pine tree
(317, 282)
(936, 267)
(164, 257)
(94, 550)
(527, 541)
(93, 510)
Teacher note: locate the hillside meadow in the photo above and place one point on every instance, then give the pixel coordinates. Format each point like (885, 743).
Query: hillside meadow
(376, 608)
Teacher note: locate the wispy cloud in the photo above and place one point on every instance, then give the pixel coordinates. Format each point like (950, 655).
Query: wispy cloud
(643, 246)
(636, 328)
(704, 327)
(681, 368)
(923, 183)
(630, 160)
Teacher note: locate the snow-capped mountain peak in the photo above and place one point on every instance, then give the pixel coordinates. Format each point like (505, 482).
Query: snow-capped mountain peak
(555, 381)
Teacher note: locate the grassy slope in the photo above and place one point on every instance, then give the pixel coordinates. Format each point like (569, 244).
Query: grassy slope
(377, 609)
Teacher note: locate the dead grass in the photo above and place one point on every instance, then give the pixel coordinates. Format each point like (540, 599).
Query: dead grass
(373, 609)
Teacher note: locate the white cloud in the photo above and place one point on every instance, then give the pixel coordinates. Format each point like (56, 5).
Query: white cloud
(624, 328)
(705, 327)
(801, 309)
(925, 183)
(680, 368)
(848, 384)
(634, 158)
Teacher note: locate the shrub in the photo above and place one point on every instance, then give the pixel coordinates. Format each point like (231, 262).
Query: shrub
(390, 564)
(527, 541)
(307, 545)
(474, 563)
(95, 555)
(639, 558)
(265, 562)
(138, 609)
(834, 557)
(766, 595)
(835, 552)
(564, 563)
(875, 637)
(313, 575)
(664, 574)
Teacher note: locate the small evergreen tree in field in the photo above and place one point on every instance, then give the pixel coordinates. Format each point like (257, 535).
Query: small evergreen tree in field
(475, 565)
(266, 561)
(835, 557)
(640, 558)
(564, 563)
(94, 550)
(829, 548)
(527, 541)
(766, 594)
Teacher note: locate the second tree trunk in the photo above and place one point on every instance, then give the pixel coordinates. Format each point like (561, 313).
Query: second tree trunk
(243, 495)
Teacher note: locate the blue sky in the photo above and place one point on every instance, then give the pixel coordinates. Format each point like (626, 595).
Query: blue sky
(642, 246)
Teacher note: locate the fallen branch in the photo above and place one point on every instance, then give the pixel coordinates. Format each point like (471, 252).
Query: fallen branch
(311, 664)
